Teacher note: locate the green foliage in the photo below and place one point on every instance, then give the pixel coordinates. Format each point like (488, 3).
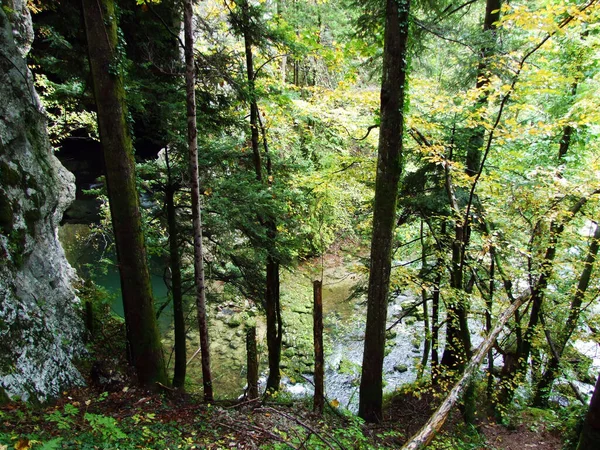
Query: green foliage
(65, 419)
(317, 87)
(106, 427)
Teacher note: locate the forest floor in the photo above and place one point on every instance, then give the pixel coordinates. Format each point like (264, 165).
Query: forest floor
(129, 417)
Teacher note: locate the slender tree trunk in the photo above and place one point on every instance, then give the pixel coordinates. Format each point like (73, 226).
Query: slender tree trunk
(590, 434)
(272, 300)
(426, 330)
(251, 88)
(274, 324)
(252, 363)
(192, 129)
(176, 291)
(435, 316)
(458, 338)
(283, 64)
(318, 402)
(384, 210)
(488, 324)
(435, 326)
(544, 386)
(143, 339)
(492, 15)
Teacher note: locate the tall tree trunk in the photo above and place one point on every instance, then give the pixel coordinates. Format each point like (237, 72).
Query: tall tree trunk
(489, 302)
(492, 15)
(192, 130)
(426, 330)
(435, 315)
(389, 166)
(251, 90)
(544, 386)
(143, 339)
(590, 434)
(458, 338)
(283, 64)
(272, 300)
(435, 326)
(176, 290)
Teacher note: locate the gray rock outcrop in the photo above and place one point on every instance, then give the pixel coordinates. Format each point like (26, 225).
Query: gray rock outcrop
(40, 328)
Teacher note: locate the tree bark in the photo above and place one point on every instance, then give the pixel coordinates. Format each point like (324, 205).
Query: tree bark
(458, 338)
(426, 330)
(251, 90)
(176, 290)
(489, 302)
(272, 291)
(492, 15)
(590, 434)
(435, 315)
(192, 132)
(319, 397)
(274, 324)
(384, 210)
(252, 363)
(143, 339)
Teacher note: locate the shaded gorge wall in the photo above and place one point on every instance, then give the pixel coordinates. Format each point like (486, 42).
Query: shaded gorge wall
(40, 326)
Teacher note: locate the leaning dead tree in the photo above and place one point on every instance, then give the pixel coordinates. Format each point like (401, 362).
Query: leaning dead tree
(436, 421)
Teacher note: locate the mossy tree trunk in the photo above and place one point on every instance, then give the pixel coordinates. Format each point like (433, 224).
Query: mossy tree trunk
(144, 346)
(192, 135)
(389, 166)
(274, 324)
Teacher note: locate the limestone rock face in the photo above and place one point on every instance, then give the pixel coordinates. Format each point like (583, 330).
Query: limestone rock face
(40, 328)
(22, 25)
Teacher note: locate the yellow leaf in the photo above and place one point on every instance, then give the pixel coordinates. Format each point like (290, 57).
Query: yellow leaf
(23, 444)
(335, 403)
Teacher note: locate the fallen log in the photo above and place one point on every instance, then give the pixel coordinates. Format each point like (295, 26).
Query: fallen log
(435, 422)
